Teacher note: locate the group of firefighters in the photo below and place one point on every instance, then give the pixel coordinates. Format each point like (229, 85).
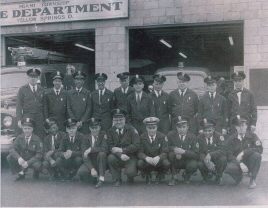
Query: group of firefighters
(83, 133)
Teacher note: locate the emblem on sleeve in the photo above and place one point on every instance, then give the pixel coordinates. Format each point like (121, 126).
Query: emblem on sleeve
(197, 145)
(166, 139)
(105, 136)
(41, 144)
(135, 130)
(258, 143)
(221, 138)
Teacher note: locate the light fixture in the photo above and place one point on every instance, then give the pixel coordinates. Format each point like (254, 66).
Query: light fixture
(166, 43)
(81, 46)
(231, 40)
(184, 56)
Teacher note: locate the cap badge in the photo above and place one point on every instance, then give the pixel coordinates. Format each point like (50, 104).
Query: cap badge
(238, 117)
(93, 119)
(137, 76)
(69, 120)
(58, 73)
(209, 77)
(179, 118)
(151, 119)
(27, 119)
(47, 120)
(33, 69)
(236, 73)
(79, 72)
(205, 120)
(118, 110)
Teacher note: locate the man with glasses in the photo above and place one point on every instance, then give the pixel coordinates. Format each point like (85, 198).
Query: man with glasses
(123, 144)
(30, 102)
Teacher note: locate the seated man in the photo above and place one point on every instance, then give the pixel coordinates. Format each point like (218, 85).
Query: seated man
(153, 153)
(94, 152)
(123, 143)
(183, 150)
(212, 151)
(26, 151)
(244, 149)
(51, 147)
(70, 153)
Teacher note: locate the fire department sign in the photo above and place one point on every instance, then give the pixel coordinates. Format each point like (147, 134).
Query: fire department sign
(62, 11)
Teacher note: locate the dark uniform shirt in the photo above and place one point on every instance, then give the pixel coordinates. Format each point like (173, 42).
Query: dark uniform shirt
(216, 150)
(190, 144)
(100, 144)
(31, 152)
(161, 105)
(48, 142)
(129, 142)
(121, 99)
(250, 144)
(158, 148)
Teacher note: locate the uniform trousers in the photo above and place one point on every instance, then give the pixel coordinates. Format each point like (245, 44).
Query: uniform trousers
(66, 165)
(16, 168)
(47, 165)
(253, 162)
(161, 167)
(115, 164)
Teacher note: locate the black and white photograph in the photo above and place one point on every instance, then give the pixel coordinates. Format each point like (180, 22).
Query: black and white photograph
(134, 103)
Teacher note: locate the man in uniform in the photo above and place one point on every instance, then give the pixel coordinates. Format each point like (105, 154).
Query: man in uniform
(140, 105)
(94, 153)
(183, 151)
(212, 152)
(56, 101)
(160, 99)
(102, 102)
(30, 102)
(51, 147)
(70, 152)
(241, 102)
(78, 102)
(183, 102)
(154, 150)
(244, 149)
(26, 151)
(121, 93)
(123, 144)
(212, 105)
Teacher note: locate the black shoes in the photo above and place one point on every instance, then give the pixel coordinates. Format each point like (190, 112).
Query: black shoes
(239, 180)
(173, 182)
(218, 181)
(148, 178)
(36, 175)
(19, 177)
(99, 184)
(118, 182)
(186, 177)
(252, 184)
(130, 179)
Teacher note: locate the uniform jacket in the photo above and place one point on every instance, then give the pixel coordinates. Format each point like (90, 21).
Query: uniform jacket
(120, 99)
(28, 102)
(57, 141)
(130, 141)
(190, 144)
(100, 145)
(76, 147)
(159, 148)
(104, 109)
(78, 104)
(161, 105)
(250, 144)
(213, 111)
(146, 108)
(247, 106)
(186, 107)
(218, 150)
(55, 106)
(33, 153)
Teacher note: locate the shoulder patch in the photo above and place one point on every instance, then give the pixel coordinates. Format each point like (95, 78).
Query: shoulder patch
(41, 144)
(197, 145)
(258, 143)
(166, 139)
(135, 130)
(221, 138)
(105, 136)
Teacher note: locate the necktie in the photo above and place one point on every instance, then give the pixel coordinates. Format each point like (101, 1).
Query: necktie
(27, 141)
(72, 140)
(57, 92)
(34, 91)
(158, 93)
(182, 91)
(152, 139)
(124, 91)
(53, 143)
(119, 136)
(212, 97)
(100, 101)
(138, 101)
(209, 144)
(239, 95)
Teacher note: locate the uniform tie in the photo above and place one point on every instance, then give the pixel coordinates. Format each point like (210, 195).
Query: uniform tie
(53, 143)
(72, 139)
(57, 92)
(100, 98)
(119, 136)
(212, 97)
(209, 144)
(27, 141)
(34, 91)
(182, 91)
(138, 100)
(152, 140)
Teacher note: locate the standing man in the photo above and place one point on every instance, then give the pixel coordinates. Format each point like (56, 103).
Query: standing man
(26, 151)
(123, 144)
(160, 99)
(121, 93)
(51, 147)
(102, 102)
(140, 105)
(183, 151)
(70, 151)
(212, 152)
(244, 149)
(30, 103)
(56, 101)
(78, 102)
(154, 150)
(183, 102)
(94, 153)
(241, 102)
(213, 106)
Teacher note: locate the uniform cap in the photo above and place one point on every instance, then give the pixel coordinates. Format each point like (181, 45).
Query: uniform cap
(28, 122)
(57, 75)
(206, 123)
(35, 72)
(151, 121)
(94, 121)
(137, 78)
(100, 77)
(183, 76)
(79, 75)
(181, 120)
(211, 79)
(239, 120)
(49, 122)
(238, 76)
(123, 76)
(70, 122)
(159, 78)
(118, 113)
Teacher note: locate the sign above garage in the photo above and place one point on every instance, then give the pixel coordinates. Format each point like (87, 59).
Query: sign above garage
(62, 11)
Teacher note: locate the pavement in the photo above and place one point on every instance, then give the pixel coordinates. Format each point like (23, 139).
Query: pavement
(44, 193)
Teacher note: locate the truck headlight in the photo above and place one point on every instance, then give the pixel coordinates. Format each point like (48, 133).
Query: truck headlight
(7, 121)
